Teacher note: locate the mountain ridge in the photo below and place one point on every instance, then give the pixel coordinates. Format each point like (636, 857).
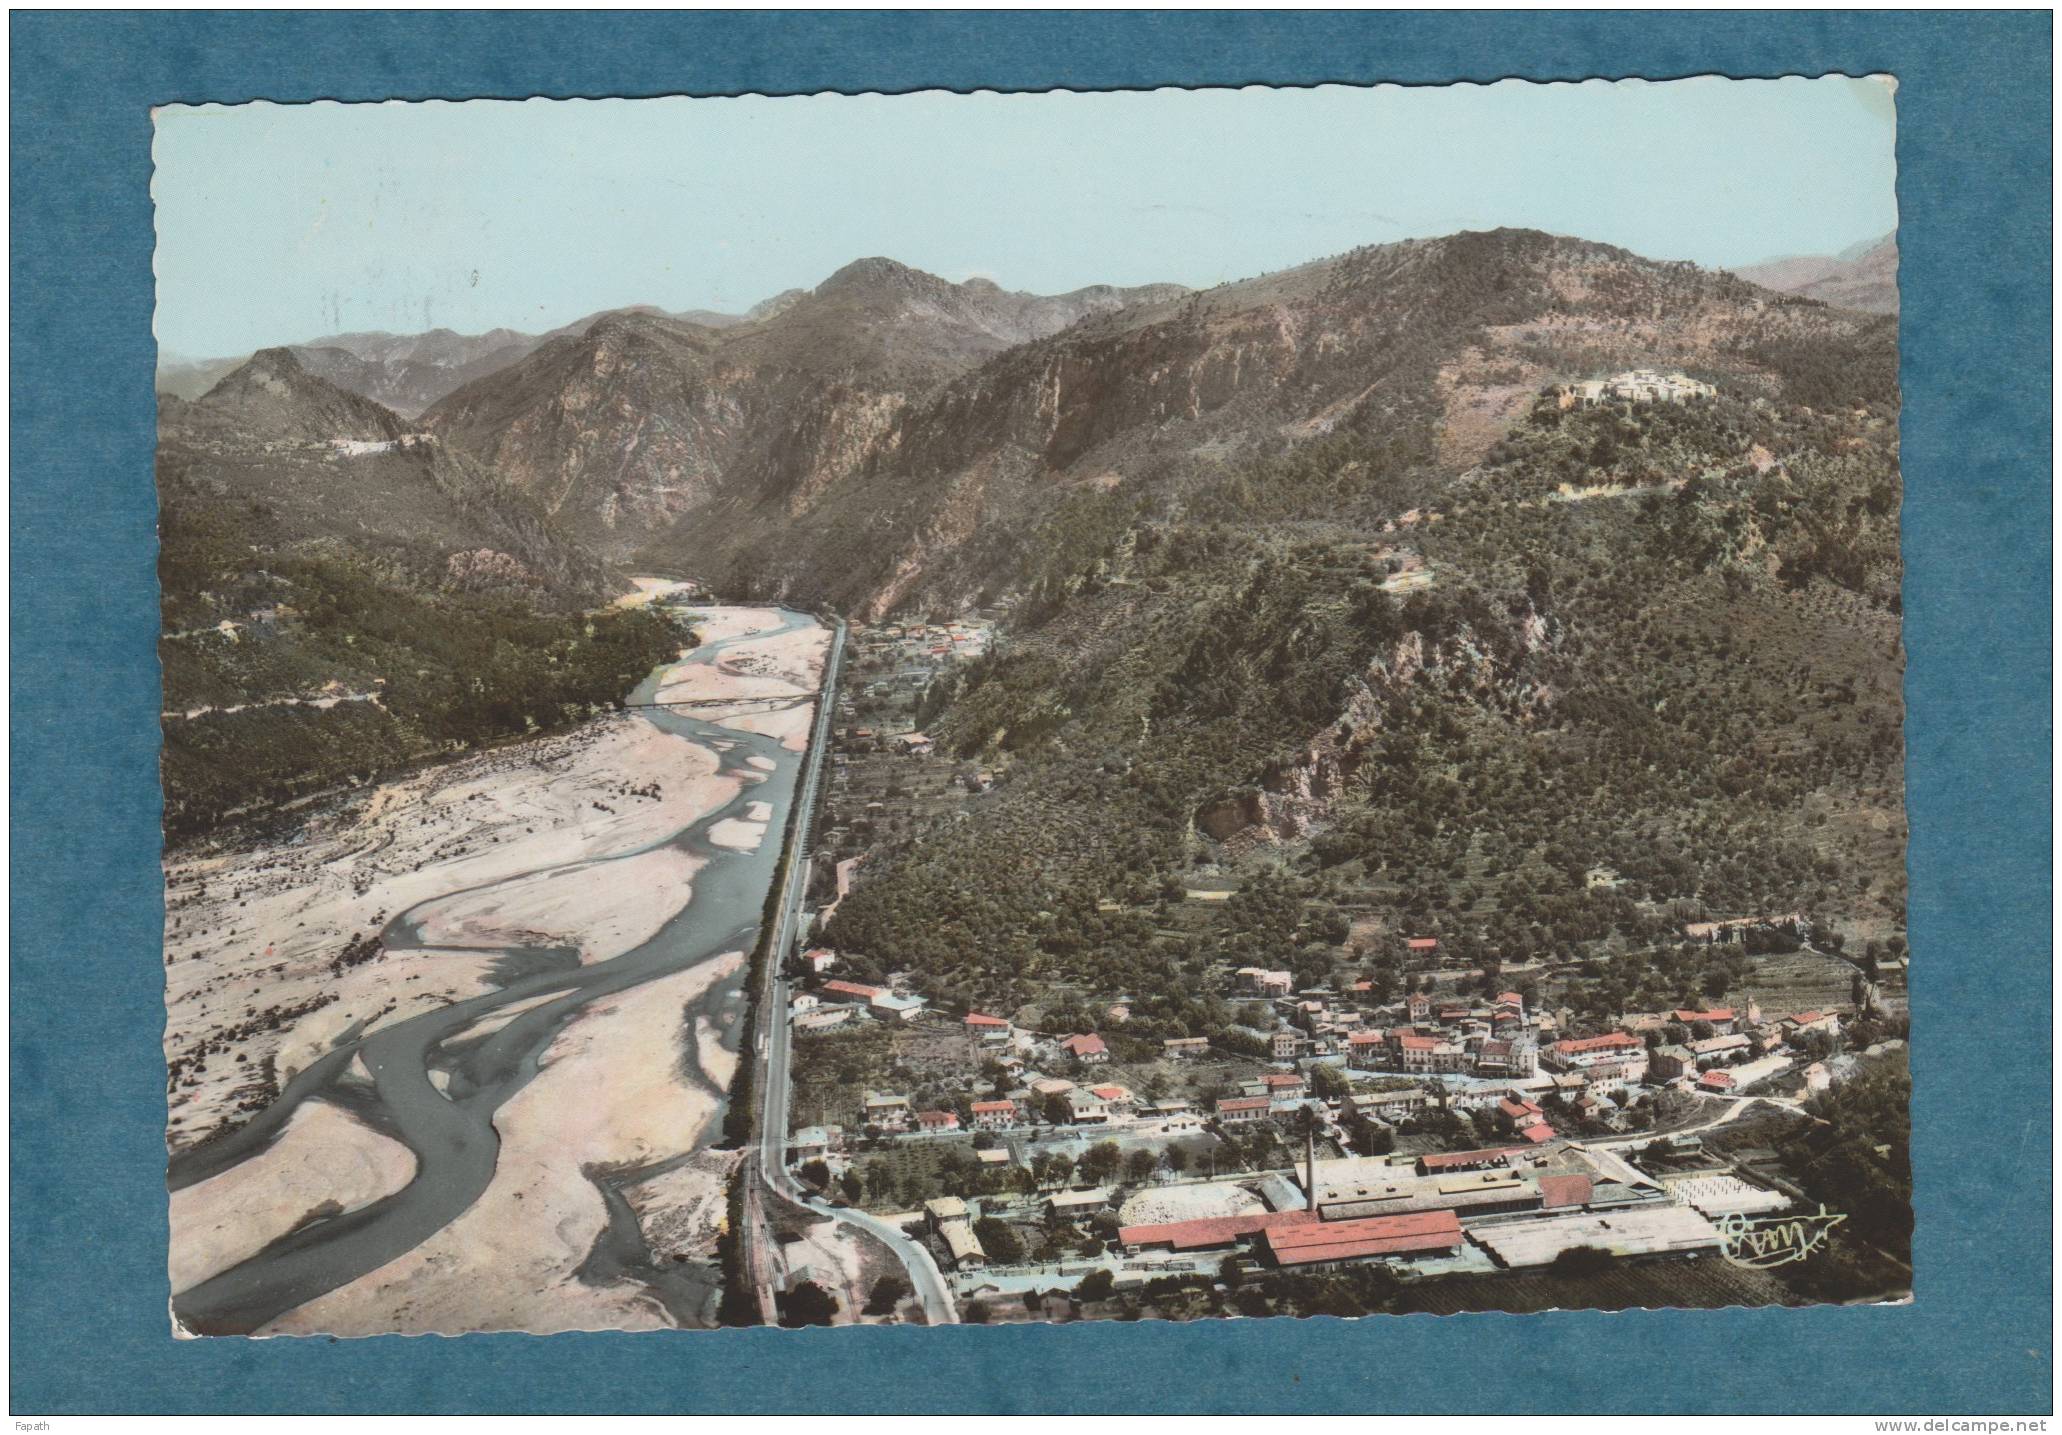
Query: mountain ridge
(311, 464)
(1438, 343)
(640, 420)
(940, 419)
(407, 372)
(1861, 276)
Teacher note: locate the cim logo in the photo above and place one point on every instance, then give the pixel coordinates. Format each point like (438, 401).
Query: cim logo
(1774, 1240)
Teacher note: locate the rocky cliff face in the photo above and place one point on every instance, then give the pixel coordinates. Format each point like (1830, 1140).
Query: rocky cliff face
(644, 422)
(621, 424)
(1293, 799)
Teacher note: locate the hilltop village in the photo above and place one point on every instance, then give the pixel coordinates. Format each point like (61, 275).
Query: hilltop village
(1636, 386)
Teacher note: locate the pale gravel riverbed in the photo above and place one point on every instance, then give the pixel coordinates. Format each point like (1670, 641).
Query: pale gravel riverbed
(516, 871)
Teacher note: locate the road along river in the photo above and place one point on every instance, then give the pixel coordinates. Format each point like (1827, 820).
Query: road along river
(595, 1056)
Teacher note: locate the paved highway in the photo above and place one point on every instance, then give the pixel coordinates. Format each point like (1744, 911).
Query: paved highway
(774, 1051)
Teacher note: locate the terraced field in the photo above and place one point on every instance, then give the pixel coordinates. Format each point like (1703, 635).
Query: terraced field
(1790, 982)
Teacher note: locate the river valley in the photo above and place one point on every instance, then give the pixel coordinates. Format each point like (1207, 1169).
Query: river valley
(478, 1024)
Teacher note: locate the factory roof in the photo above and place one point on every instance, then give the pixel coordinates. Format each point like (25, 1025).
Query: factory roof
(1211, 1231)
(1654, 1229)
(1419, 1233)
(1566, 1190)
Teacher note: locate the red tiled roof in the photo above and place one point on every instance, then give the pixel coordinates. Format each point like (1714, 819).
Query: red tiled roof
(1422, 944)
(1538, 1133)
(1282, 1078)
(1715, 1079)
(1512, 997)
(1364, 1038)
(854, 989)
(1596, 1043)
(1724, 1013)
(1418, 1233)
(936, 1118)
(1243, 1103)
(1566, 1190)
(1110, 1093)
(1212, 1231)
(1516, 1109)
(993, 1108)
(975, 1018)
(1090, 1045)
(1413, 1042)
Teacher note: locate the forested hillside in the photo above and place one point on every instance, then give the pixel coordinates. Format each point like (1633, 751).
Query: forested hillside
(341, 596)
(1653, 642)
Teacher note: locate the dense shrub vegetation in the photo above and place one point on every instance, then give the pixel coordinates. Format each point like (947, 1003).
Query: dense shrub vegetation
(448, 670)
(1689, 683)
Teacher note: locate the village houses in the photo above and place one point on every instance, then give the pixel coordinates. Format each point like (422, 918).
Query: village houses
(886, 1110)
(1088, 1049)
(994, 1115)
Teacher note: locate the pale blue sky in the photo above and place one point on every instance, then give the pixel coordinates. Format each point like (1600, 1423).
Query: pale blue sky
(280, 223)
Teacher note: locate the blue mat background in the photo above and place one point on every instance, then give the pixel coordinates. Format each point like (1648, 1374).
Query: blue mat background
(87, 1240)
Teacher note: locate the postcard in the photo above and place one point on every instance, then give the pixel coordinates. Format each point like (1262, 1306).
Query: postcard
(977, 708)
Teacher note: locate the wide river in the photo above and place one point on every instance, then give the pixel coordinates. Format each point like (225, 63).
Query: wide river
(451, 1131)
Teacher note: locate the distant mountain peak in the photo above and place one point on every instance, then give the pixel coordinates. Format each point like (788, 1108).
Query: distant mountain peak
(276, 373)
(876, 272)
(1862, 276)
(278, 360)
(271, 395)
(636, 319)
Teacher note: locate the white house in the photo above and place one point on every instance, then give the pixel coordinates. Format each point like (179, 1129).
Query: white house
(1086, 1107)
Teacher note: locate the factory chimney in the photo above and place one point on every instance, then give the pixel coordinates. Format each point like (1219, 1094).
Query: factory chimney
(1310, 1166)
